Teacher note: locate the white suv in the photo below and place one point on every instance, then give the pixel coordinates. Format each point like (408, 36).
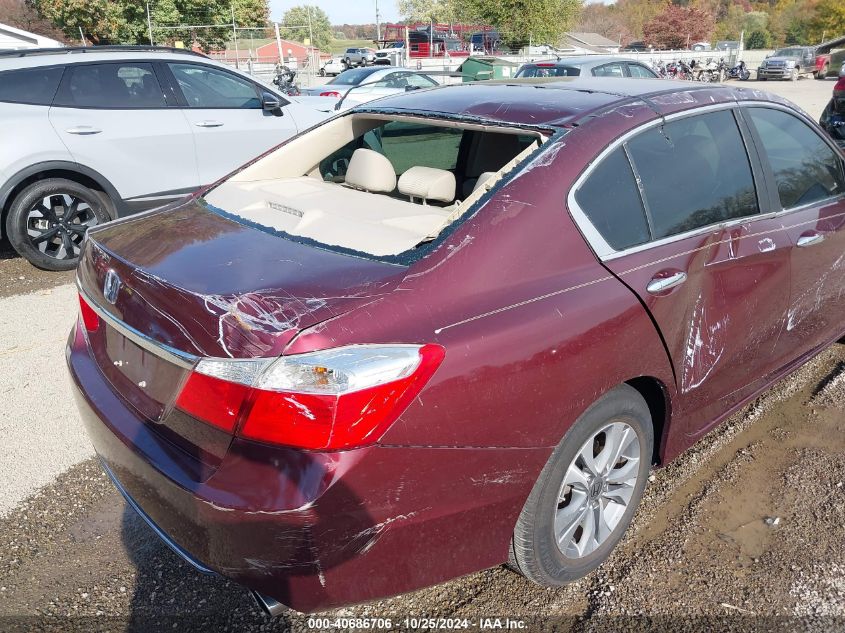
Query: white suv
(93, 134)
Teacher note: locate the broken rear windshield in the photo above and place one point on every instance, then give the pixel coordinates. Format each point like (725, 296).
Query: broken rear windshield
(374, 185)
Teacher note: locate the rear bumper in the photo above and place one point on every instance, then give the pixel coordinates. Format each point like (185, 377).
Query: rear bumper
(312, 530)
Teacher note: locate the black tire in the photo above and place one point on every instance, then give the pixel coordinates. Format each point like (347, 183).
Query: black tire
(60, 250)
(322, 72)
(348, 62)
(822, 74)
(534, 551)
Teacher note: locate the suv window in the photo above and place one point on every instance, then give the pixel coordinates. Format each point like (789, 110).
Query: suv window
(611, 200)
(120, 85)
(208, 87)
(35, 86)
(695, 172)
(806, 169)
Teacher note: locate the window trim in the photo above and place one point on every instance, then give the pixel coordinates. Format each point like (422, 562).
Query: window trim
(70, 69)
(766, 166)
(603, 250)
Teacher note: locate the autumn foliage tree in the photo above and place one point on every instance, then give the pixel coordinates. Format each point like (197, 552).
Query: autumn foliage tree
(677, 27)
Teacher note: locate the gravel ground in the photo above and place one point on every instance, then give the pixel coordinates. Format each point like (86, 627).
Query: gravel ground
(42, 436)
(742, 532)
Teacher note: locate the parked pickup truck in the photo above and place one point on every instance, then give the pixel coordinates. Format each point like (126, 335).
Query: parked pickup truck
(788, 63)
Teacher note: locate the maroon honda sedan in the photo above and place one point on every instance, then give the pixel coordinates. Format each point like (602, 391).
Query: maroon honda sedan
(454, 328)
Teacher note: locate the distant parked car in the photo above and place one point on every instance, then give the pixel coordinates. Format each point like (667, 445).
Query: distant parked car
(333, 67)
(594, 65)
(371, 83)
(791, 62)
(359, 57)
(93, 134)
(700, 46)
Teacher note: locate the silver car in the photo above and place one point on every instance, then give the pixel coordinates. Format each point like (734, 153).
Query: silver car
(359, 56)
(588, 65)
(359, 85)
(91, 135)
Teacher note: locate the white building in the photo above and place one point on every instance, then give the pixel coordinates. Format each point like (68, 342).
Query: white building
(16, 39)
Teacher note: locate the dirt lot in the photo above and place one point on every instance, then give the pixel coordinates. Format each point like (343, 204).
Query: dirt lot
(745, 531)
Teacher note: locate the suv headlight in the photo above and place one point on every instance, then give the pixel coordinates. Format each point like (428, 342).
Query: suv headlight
(790, 63)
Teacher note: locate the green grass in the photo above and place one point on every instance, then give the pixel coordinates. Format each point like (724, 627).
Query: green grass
(340, 46)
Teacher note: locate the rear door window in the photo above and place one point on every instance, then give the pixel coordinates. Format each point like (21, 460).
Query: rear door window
(213, 88)
(806, 169)
(611, 200)
(121, 85)
(35, 86)
(609, 70)
(640, 72)
(695, 172)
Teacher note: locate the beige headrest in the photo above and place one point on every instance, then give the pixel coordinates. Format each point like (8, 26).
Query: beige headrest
(487, 175)
(370, 171)
(428, 183)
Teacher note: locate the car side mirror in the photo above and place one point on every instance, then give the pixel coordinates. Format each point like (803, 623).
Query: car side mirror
(270, 103)
(411, 88)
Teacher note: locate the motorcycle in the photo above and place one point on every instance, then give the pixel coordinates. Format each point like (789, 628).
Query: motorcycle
(679, 70)
(739, 72)
(708, 72)
(284, 81)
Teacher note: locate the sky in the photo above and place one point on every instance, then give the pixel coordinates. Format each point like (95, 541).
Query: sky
(342, 11)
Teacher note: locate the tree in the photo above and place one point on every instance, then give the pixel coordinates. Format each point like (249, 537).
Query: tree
(102, 21)
(829, 20)
(437, 11)
(125, 21)
(605, 20)
(298, 18)
(522, 21)
(677, 27)
(22, 15)
(758, 39)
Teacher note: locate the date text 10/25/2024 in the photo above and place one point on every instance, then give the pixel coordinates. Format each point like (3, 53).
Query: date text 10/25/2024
(417, 623)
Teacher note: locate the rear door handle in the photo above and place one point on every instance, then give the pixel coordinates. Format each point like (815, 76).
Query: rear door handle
(659, 285)
(810, 238)
(209, 123)
(83, 130)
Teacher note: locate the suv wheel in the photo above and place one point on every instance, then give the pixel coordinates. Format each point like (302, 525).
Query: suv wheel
(348, 62)
(587, 492)
(48, 221)
(822, 74)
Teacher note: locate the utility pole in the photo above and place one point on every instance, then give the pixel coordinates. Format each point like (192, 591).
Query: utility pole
(378, 24)
(279, 43)
(235, 37)
(150, 24)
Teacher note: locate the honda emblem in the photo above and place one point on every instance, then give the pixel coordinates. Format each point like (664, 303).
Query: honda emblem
(111, 287)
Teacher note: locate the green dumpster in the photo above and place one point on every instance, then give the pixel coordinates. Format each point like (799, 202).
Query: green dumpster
(482, 68)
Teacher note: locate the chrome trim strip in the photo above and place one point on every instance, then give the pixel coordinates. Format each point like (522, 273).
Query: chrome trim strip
(165, 352)
(155, 528)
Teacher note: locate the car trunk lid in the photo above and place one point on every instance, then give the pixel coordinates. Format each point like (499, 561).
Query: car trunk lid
(176, 286)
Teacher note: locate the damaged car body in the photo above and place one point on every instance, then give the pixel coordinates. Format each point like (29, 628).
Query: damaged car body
(454, 328)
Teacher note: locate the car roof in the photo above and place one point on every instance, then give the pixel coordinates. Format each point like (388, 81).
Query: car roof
(582, 60)
(557, 102)
(33, 58)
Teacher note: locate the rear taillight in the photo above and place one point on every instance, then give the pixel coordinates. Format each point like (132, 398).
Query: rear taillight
(330, 93)
(332, 399)
(840, 87)
(89, 318)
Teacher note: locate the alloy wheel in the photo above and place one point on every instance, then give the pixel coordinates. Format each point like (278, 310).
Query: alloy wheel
(57, 223)
(596, 490)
